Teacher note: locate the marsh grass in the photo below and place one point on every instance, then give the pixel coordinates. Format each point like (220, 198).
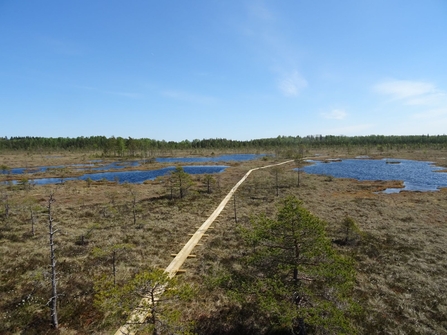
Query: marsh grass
(400, 260)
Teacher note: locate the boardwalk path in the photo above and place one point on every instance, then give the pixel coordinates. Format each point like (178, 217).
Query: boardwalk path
(139, 315)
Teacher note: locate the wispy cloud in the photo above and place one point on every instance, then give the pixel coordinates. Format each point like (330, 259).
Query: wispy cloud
(188, 97)
(270, 43)
(292, 84)
(427, 99)
(430, 114)
(335, 114)
(423, 105)
(400, 89)
(410, 92)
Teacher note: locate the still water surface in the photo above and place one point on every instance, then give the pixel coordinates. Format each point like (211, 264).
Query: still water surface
(416, 175)
(124, 164)
(134, 177)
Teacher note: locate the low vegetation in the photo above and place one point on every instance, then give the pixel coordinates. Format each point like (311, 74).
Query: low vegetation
(379, 267)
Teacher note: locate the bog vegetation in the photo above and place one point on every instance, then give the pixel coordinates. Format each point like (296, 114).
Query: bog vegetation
(292, 254)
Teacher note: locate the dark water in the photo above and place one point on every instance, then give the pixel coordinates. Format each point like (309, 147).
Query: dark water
(32, 170)
(416, 175)
(121, 165)
(79, 167)
(134, 177)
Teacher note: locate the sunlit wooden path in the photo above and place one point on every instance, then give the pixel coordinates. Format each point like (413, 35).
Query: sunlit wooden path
(139, 315)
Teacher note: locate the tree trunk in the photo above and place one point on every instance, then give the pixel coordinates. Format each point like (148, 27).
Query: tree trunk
(33, 221)
(181, 187)
(153, 311)
(301, 327)
(134, 206)
(276, 182)
(235, 212)
(53, 299)
(114, 267)
(6, 206)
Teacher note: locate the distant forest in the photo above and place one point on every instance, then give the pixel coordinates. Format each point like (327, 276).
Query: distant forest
(120, 146)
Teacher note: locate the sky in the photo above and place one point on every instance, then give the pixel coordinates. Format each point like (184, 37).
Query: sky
(236, 69)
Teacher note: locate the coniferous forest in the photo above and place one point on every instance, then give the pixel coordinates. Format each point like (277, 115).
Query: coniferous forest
(131, 146)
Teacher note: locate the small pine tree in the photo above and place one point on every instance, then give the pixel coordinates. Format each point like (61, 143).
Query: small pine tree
(181, 180)
(144, 291)
(209, 182)
(350, 230)
(292, 276)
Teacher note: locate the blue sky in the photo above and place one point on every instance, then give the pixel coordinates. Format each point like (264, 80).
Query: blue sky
(175, 70)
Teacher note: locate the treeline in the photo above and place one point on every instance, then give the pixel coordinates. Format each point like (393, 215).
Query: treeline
(120, 146)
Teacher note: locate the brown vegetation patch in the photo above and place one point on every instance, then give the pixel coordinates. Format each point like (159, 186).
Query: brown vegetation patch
(401, 273)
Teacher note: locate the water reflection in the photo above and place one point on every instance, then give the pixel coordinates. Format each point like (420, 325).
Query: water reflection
(134, 177)
(90, 166)
(416, 175)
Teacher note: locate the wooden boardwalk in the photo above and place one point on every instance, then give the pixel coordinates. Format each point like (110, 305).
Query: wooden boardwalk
(139, 315)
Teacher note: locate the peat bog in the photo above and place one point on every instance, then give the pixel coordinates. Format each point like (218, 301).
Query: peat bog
(401, 278)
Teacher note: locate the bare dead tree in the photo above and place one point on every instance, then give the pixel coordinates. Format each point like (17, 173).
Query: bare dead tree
(299, 164)
(235, 210)
(53, 300)
(276, 171)
(114, 266)
(209, 181)
(171, 186)
(33, 221)
(133, 193)
(6, 205)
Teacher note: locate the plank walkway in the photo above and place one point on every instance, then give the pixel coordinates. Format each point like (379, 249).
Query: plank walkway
(139, 315)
